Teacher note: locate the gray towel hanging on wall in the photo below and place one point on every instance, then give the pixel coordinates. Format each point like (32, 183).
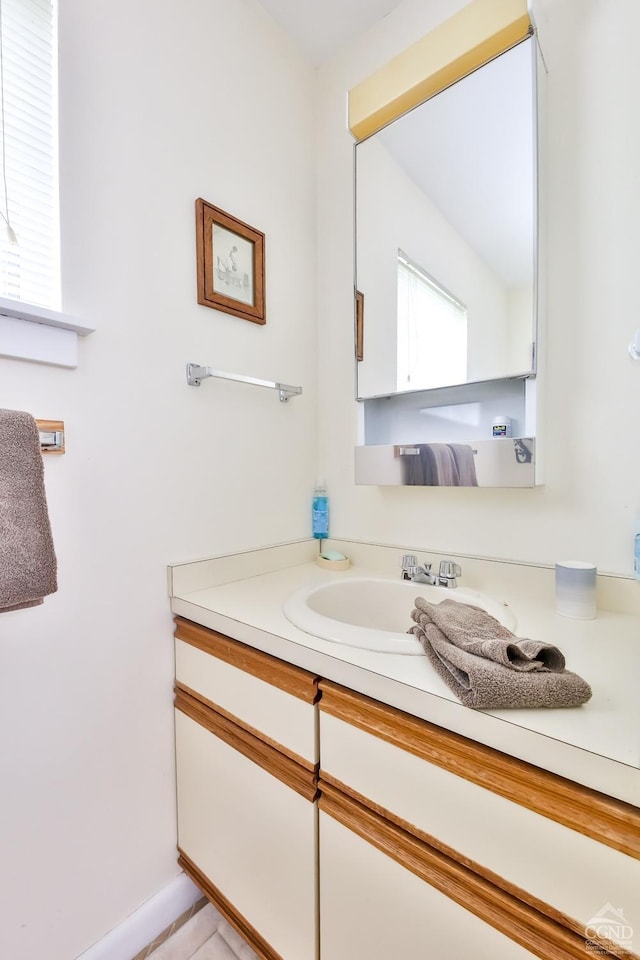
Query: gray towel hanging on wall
(27, 559)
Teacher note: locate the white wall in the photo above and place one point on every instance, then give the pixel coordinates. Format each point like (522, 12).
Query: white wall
(394, 214)
(591, 209)
(160, 103)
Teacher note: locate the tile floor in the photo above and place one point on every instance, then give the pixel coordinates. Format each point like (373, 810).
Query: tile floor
(204, 936)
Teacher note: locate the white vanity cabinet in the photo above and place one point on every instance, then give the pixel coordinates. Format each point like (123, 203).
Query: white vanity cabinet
(329, 826)
(448, 846)
(246, 753)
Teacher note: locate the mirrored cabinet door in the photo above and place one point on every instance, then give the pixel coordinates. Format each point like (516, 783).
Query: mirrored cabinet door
(446, 235)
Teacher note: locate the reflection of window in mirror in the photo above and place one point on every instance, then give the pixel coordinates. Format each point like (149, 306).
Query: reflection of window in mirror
(432, 331)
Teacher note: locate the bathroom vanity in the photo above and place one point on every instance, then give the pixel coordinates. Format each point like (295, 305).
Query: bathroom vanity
(247, 760)
(337, 803)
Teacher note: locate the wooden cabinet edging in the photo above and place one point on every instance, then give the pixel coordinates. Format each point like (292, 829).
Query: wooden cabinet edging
(516, 919)
(293, 680)
(292, 774)
(327, 783)
(238, 722)
(604, 819)
(249, 933)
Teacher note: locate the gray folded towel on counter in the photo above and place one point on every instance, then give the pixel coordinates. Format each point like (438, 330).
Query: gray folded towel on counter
(485, 684)
(476, 631)
(27, 558)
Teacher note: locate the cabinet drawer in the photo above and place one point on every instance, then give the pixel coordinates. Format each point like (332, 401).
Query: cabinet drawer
(272, 699)
(572, 873)
(371, 906)
(251, 836)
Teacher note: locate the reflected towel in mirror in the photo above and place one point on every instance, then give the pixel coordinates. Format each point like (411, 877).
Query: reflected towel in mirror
(432, 465)
(439, 465)
(465, 464)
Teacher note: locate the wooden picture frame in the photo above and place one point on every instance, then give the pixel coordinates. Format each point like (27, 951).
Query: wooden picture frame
(230, 264)
(359, 325)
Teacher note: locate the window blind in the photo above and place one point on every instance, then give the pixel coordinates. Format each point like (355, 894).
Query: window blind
(29, 269)
(432, 331)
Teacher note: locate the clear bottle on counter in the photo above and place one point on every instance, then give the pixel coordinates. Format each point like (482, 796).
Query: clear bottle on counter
(320, 512)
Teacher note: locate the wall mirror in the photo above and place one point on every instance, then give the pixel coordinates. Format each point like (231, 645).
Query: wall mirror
(446, 235)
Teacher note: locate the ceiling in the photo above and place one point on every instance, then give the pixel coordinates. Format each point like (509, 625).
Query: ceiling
(321, 27)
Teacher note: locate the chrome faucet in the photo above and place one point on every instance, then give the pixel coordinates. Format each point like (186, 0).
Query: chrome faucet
(448, 574)
(417, 573)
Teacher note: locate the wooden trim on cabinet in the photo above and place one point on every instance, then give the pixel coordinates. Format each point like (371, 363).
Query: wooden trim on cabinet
(258, 734)
(516, 919)
(292, 774)
(248, 932)
(605, 819)
(294, 680)
(327, 783)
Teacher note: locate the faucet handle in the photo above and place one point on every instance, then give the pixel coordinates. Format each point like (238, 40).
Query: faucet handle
(449, 569)
(409, 566)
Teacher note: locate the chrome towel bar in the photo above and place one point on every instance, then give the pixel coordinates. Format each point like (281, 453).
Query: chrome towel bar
(196, 373)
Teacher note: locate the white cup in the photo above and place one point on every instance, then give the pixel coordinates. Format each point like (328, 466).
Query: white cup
(576, 589)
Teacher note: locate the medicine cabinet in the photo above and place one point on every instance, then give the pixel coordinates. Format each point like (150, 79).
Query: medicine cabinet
(446, 266)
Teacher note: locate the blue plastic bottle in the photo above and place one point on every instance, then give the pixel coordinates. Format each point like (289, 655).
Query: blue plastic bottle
(320, 512)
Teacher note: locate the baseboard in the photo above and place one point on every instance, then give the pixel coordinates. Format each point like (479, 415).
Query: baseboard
(146, 923)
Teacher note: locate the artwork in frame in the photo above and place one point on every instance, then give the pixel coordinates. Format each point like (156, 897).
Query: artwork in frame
(359, 325)
(230, 263)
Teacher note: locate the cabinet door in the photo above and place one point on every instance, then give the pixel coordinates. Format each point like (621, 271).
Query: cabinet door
(373, 907)
(562, 869)
(266, 696)
(252, 836)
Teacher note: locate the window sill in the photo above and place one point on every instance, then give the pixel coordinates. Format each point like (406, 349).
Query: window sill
(29, 332)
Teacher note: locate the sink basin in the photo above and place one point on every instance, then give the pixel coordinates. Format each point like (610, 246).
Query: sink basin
(374, 614)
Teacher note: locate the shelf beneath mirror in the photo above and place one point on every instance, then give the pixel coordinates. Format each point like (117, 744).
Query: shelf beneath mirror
(397, 429)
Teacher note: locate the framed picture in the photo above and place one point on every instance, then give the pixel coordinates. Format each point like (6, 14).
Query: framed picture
(359, 325)
(230, 262)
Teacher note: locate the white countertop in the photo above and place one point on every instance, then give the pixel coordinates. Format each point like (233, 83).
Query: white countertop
(597, 744)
